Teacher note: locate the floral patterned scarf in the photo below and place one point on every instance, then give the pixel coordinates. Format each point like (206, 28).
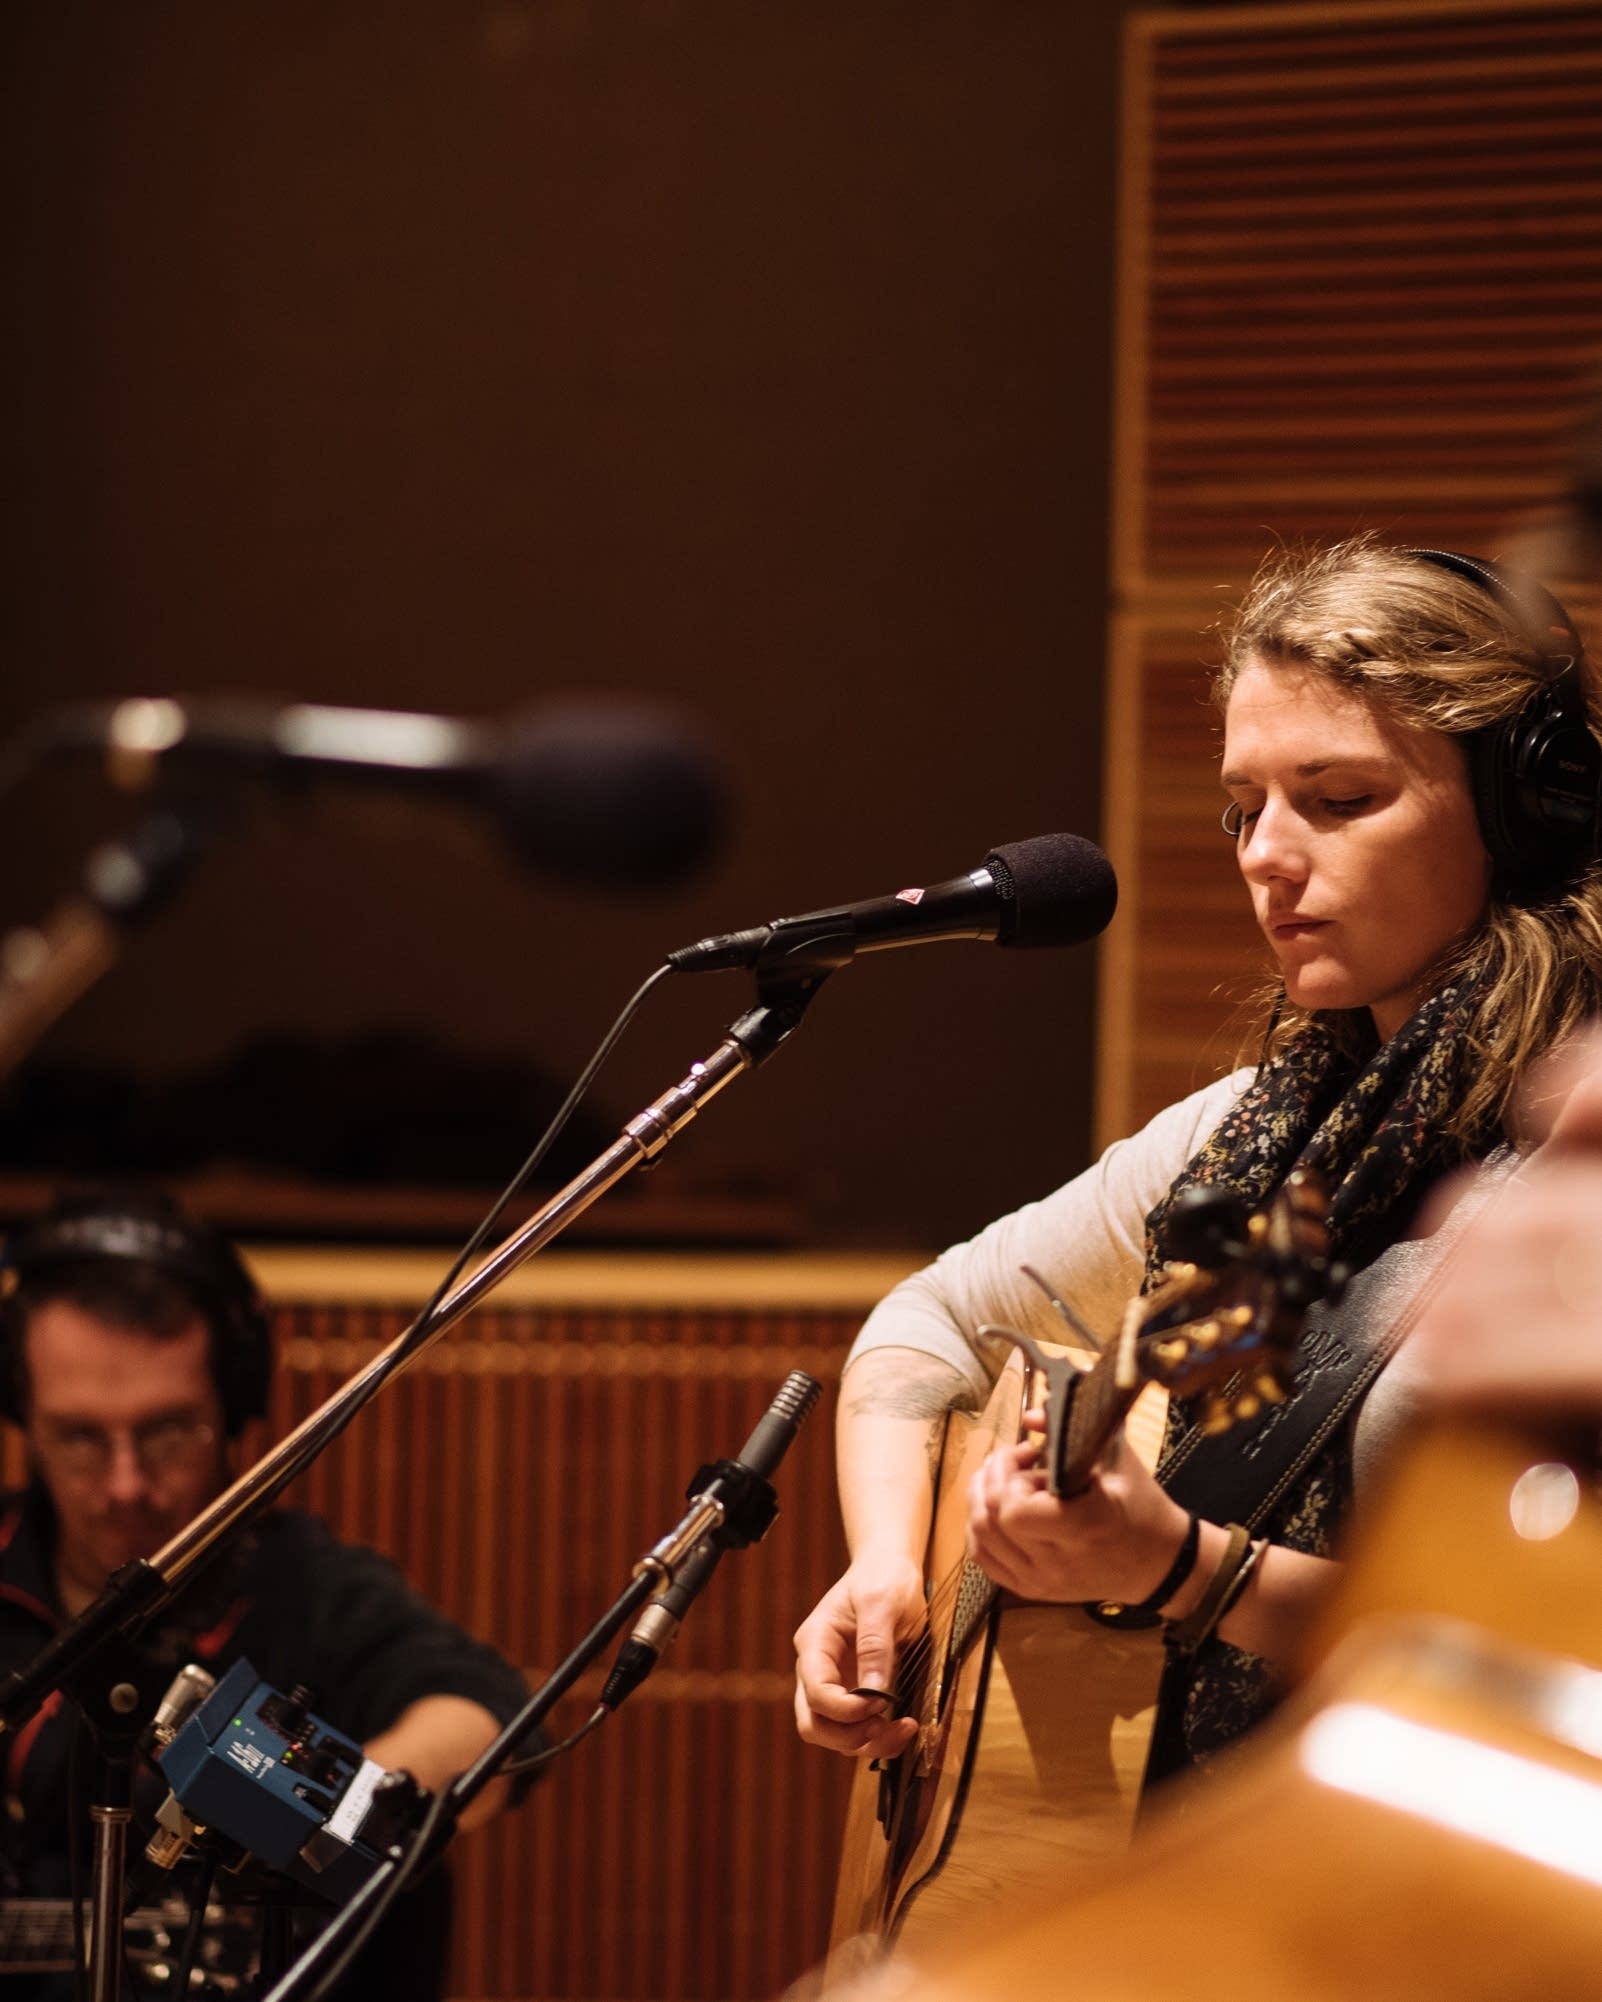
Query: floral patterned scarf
(1376, 1131)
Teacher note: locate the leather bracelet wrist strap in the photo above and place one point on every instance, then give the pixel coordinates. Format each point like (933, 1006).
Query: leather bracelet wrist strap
(1242, 1578)
(1146, 1612)
(1235, 1566)
(1177, 1573)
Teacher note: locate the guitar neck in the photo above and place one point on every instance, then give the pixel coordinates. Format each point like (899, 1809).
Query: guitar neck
(1098, 1407)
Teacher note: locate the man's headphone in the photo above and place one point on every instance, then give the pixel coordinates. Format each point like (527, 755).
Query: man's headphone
(1537, 777)
(144, 1228)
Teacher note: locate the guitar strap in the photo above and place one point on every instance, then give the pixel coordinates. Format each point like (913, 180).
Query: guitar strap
(1244, 1474)
(1243, 1478)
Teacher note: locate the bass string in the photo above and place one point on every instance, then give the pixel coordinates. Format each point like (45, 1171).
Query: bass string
(912, 1671)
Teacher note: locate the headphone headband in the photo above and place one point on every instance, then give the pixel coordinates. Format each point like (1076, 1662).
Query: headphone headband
(144, 1228)
(1531, 608)
(1536, 777)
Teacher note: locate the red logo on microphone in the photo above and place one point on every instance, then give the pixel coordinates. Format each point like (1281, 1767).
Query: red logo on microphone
(909, 896)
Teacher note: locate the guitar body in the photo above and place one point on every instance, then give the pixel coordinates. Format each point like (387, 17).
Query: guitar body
(1419, 1822)
(1035, 1723)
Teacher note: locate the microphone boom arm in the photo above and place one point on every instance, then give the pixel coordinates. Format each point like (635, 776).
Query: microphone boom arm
(139, 1590)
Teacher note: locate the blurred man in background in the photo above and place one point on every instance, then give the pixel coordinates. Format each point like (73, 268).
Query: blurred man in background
(133, 1351)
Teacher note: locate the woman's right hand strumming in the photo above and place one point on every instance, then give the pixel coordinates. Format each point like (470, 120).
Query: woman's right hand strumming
(849, 1643)
(892, 1416)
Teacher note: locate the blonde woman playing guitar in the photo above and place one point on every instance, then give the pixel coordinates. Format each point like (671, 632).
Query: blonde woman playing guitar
(1412, 778)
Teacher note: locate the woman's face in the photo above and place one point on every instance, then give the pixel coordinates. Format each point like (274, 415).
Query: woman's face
(1358, 841)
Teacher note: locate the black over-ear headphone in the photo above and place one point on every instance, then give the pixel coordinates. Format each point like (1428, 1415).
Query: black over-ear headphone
(1537, 778)
(145, 1228)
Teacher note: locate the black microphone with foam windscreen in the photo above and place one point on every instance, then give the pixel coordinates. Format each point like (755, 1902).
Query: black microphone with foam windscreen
(1055, 889)
(619, 795)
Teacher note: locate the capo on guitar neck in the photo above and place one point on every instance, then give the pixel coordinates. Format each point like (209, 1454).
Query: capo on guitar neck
(1061, 1308)
(1059, 1375)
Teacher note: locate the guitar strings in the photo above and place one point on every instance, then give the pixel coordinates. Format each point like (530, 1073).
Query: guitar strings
(915, 1660)
(912, 1669)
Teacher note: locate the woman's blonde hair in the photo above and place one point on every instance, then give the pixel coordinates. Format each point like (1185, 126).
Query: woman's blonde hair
(1435, 651)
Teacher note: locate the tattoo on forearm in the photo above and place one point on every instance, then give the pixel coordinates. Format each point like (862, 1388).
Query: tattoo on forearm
(895, 1394)
(890, 1384)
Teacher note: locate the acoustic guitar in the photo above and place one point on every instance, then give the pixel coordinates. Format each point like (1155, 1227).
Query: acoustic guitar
(1421, 1821)
(1034, 1719)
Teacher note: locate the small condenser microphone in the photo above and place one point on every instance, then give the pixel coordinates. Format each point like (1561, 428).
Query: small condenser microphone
(659, 1619)
(658, 1623)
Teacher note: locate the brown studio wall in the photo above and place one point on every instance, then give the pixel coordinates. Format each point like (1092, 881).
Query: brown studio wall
(459, 356)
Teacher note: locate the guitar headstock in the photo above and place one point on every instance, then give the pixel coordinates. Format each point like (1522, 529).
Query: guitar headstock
(1223, 1323)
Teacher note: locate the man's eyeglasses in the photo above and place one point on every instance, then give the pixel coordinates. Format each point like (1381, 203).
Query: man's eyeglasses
(161, 1446)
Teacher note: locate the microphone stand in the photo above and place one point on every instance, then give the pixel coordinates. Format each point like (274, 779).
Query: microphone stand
(71, 1660)
(734, 1507)
(44, 968)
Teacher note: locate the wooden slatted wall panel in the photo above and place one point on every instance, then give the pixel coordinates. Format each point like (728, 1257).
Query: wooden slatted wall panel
(516, 1473)
(688, 1848)
(1360, 287)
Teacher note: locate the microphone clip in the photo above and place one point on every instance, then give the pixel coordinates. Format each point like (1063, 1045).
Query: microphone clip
(790, 980)
(748, 1502)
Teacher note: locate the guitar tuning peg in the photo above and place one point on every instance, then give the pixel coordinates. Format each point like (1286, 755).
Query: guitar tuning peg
(1204, 1225)
(1247, 1403)
(1268, 1387)
(1172, 1353)
(1216, 1416)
